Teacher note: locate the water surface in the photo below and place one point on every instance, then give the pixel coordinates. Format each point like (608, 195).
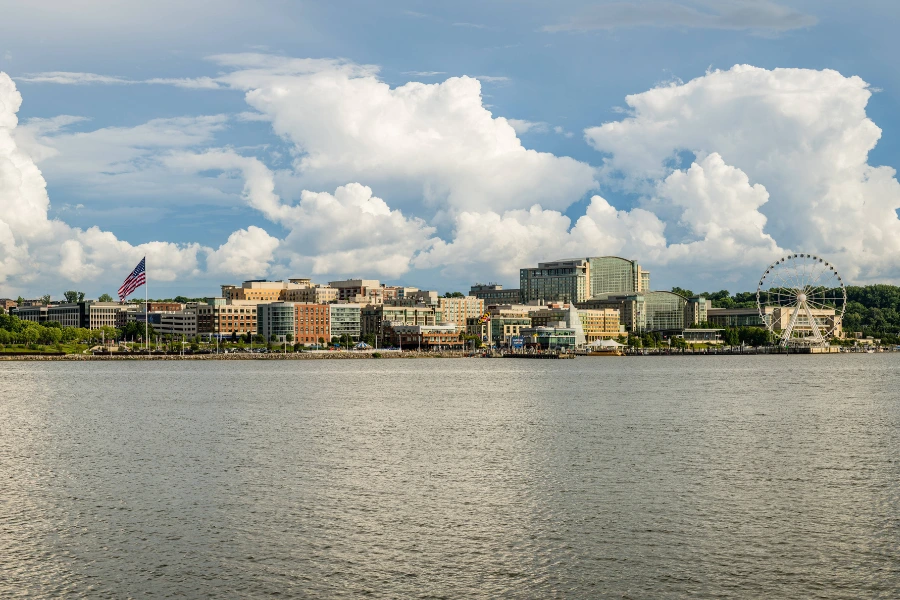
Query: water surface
(765, 476)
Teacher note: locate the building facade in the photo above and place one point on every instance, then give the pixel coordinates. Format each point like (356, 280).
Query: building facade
(317, 294)
(549, 338)
(559, 281)
(426, 337)
(345, 319)
(222, 318)
(313, 323)
(616, 275)
(276, 321)
(374, 317)
(182, 323)
(458, 310)
(493, 293)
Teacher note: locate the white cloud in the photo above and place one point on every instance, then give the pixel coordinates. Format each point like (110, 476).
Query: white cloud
(424, 73)
(350, 231)
(753, 15)
(247, 253)
(76, 78)
(522, 126)
(803, 134)
(431, 142)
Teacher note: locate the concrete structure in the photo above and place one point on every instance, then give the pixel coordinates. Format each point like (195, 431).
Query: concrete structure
(425, 337)
(36, 313)
(498, 329)
(596, 324)
(632, 315)
(6, 304)
(493, 293)
(826, 319)
(562, 281)
(345, 319)
(313, 323)
(734, 317)
(278, 320)
(697, 310)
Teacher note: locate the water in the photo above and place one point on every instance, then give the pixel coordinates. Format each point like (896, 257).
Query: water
(610, 477)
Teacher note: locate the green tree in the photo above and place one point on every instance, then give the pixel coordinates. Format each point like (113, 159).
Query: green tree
(105, 298)
(45, 299)
(682, 292)
(72, 296)
(454, 295)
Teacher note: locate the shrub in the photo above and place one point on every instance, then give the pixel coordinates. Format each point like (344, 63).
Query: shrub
(376, 355)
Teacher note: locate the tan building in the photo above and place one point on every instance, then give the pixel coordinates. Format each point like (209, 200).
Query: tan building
(597, 324)
(6, 304)
(262, 290)
(318, 294)
(459, 310)
(219, 317)
(358, 290)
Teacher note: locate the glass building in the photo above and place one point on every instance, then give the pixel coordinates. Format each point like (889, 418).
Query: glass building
(615, 275)
(346, 319)
(664, 311)
(278, 319)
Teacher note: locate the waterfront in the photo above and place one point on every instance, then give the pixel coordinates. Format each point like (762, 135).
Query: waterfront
(754, 476)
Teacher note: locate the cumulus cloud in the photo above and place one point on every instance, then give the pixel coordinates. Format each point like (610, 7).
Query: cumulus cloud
(754, 15)
(247, 253)
(522, 126)
(350, 231)
(803, 134)
(36, 250)
(435, 143)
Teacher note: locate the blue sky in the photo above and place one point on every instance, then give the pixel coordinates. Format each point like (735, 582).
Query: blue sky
(159, 162)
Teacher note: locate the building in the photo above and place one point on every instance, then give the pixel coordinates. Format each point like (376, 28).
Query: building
(734, 317)
(316, 294)
(6, 304)
(312, 323)
(560, 281)
(549, 338)
(261, 290)
(632, 315)
(176, 323)
(276, 321)
(359, 290)
(597, 324)
(426, 337)
(35, 313)
(703, 336)
(826, 319)
(222, 318)
(665, 311)
(458, 310)
(616, 275)
(697, 311)
(345, 319)
(493, 293)
(375, 316)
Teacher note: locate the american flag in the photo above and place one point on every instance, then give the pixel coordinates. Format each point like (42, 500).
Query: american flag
(136, 279)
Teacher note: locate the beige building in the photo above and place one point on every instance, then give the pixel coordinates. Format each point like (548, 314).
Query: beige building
(317, 294)
(459, 310)
(221, 317)
(262, 290)
(359, 290)
(597, 324)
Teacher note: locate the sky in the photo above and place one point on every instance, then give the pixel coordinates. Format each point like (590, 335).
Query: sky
(440, 144)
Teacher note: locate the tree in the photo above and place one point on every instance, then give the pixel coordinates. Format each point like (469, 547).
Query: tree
(289, 338)
(454, 295)
(682, 292)
(105, 298)
(72, 296)
(45, 299)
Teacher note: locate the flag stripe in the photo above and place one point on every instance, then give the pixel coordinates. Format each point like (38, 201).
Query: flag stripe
(136, 279)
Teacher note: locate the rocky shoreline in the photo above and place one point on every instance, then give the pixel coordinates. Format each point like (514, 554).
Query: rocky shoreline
(238, 356)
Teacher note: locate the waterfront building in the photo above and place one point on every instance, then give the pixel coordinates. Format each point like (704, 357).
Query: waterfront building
(498, 328)
(493, 293)
(278, 320)
(616, 275)
(345, 319)
(262, 290)
(458, 310)
(35, 313)
(312, 323)
(697, 310)
(182, 323)
(703, 336)
(596, 324)
(222, 318)
(734, 317)
(549, 338)
(561, 281)
(630, 307)
(826, 319)
(375, 315)
(426, 337)
(665, 311)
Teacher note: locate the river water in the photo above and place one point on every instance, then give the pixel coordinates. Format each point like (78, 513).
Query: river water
(656, 477)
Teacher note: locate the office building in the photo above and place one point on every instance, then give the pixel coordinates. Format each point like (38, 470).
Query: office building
(375, 316)
(261, 290)
(616, 275)
(361, 291)
(425, 337)
(493, 293)
(276, 321)
(222, 318)
(313, 323)
(457, 310)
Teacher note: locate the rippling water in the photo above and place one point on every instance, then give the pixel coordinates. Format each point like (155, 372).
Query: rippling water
(629, 478)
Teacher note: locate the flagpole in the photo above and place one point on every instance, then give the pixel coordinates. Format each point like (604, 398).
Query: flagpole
(146, 309)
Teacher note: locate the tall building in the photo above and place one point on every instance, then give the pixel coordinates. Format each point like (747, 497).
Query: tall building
(313, 323)
(557, 281)
(278, 320)
(615, 275)
(224, 318)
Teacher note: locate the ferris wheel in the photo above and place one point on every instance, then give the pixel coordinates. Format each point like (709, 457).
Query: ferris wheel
(801, 299)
